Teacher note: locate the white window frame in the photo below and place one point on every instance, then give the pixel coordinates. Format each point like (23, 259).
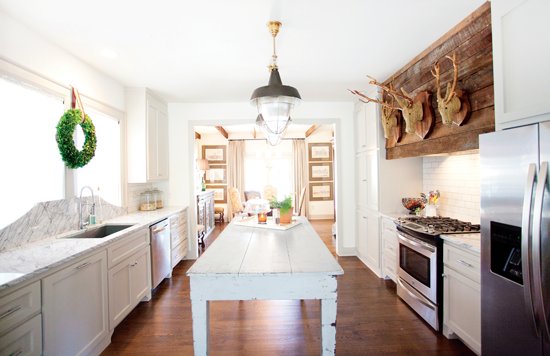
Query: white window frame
(38, 81)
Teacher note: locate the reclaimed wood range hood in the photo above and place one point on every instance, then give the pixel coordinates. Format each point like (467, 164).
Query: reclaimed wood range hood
(471, 40)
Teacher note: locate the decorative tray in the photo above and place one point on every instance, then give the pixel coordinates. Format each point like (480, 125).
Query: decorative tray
(268, 225)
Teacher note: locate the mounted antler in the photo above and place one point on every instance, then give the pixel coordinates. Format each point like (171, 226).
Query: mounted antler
(389, 119)
(450, 104)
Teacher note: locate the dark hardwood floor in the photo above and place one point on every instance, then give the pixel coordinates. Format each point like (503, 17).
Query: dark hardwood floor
(371, 320)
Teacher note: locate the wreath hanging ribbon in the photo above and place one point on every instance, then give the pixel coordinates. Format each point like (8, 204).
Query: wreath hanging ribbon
(72, 157)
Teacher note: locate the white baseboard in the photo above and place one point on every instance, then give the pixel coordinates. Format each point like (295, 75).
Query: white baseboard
(347, 251)
(321, 216)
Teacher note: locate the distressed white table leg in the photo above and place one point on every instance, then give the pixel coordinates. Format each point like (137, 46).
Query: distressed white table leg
(201, 318)
(328, 327)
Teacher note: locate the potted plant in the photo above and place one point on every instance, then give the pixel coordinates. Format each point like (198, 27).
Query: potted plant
(285, 208)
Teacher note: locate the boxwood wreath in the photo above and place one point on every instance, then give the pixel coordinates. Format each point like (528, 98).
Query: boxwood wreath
(65, 129)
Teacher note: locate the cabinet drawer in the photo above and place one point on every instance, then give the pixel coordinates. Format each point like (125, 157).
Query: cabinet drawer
(467, 263)
(19, 305)
(127, 247)
(183, 217)
(389, 244)
(179, 252)
(174, 221)
(178, 235)
(25, 340)
(389, 268)
(388, 226)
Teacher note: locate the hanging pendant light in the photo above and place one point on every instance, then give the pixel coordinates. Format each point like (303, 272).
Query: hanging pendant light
(272, 138)
(275, 101)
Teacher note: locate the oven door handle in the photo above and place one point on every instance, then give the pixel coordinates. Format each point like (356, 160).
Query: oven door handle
(415, 245)
(416, 296)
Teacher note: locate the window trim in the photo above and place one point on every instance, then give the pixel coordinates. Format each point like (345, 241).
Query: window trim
(36, 80)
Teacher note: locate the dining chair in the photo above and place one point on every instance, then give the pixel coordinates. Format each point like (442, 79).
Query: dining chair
(251, 194)
(269, 191)
(236, 204)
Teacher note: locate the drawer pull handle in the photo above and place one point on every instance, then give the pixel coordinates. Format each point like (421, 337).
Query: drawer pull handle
(9, 312)
(16, 353)
(389, 248)
(464, 263)
(84, 265)
(364, 146)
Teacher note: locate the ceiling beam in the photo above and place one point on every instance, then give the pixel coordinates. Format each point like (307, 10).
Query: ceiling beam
(222, 131)
(311, 129)
(197, 135)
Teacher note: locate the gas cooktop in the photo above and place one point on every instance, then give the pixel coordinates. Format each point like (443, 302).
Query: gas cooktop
(437, 225)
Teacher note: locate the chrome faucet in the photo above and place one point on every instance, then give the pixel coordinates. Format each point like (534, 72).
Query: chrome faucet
(82, 223)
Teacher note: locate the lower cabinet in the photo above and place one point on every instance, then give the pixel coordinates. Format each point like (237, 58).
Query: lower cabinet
(368, 240)
(388, 236)
(129, 282)
(24, 340)
(462, 296)
(75, 307)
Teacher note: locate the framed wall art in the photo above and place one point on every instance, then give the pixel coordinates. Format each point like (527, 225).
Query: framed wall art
(216, 175)
(320, 191)
(321, 171)
(320, 151)
(214, 154)
(220, 193)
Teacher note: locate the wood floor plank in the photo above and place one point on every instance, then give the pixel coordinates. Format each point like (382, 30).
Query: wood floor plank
(371, 319)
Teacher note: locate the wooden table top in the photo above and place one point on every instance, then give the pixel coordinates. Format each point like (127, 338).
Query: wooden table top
(243, 250)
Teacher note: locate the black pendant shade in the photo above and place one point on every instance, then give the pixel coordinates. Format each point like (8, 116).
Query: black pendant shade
(275, 87)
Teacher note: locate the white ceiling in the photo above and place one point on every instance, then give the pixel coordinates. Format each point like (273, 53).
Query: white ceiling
(218, 50)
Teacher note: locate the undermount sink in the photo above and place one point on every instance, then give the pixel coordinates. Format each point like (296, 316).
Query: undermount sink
(100, 232)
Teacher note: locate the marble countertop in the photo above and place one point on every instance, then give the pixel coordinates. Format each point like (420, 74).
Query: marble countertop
(24, 262)
(469, 241)
(392, 216)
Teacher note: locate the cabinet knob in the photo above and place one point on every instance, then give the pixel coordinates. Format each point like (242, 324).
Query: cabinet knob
(443, 275)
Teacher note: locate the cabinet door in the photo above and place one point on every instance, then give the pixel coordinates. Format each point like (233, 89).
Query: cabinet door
(372, 179)
(140, 274)
(162, 141)
(211, 212)
(157, 140)
(373, 241)
(462, 307)
(520, 61)
(75, 307)
(24, 340)
(361, 234)
(361, 180)
(360, 135)
(371, 118)
(120, 294)
(201, 217)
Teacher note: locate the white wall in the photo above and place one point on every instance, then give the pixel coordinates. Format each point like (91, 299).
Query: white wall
(320, 209)
(457, 179)
(177, 190)
(24, 47)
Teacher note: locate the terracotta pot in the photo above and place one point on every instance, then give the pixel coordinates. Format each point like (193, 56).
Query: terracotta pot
(287, 218)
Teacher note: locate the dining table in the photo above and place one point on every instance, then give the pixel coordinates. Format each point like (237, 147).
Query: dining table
(253, 262)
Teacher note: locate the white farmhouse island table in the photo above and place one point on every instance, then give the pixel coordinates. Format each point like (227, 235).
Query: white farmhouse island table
(247, 263)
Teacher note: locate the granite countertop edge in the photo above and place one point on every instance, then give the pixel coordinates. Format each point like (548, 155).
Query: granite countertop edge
(471, 242)
(24, 262)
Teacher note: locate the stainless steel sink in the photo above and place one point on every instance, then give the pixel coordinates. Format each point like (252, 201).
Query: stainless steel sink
(99, 232)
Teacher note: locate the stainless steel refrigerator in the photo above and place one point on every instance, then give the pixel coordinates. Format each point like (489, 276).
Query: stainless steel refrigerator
(515, 241)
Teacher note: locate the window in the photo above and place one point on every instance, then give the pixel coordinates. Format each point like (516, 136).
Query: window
(103, 171)
(32, 169)
(277, 172)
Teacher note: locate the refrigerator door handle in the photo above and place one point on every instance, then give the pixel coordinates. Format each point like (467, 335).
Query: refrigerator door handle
(526, 256)
(537, 244)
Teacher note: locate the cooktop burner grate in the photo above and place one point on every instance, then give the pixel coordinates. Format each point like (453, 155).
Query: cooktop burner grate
(438, 224)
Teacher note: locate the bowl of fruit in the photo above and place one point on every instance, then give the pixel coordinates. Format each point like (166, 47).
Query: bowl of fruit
(414, 204)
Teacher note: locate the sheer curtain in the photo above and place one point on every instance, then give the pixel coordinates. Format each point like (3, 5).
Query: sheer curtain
(235, 170)
(299, 162)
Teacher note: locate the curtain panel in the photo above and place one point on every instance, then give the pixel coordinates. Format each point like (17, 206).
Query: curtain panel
(235, 171)
(299, 162)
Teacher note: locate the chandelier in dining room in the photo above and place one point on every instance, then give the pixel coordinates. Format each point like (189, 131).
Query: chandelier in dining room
(274, 101)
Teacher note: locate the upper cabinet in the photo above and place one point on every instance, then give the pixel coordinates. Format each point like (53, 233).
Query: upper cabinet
(147, 136)
(521, 61)
(365, 127)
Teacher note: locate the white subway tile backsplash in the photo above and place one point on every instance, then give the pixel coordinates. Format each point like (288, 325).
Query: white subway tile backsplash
(457, 178)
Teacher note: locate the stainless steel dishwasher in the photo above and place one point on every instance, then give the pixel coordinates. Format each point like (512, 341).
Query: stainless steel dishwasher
(160, 251)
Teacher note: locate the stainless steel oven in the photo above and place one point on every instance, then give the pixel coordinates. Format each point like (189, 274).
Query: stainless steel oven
(417, 277)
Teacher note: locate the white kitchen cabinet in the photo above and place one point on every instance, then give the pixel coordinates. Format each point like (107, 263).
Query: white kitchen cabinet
(147, 136)
(388, 237)
(366, 135)
(179, 241)
(462, 296)
(360, 134)
(368, 240)
(75, 307)
(129, 283)
(520, 60)
(367, 179)
(24, 340)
